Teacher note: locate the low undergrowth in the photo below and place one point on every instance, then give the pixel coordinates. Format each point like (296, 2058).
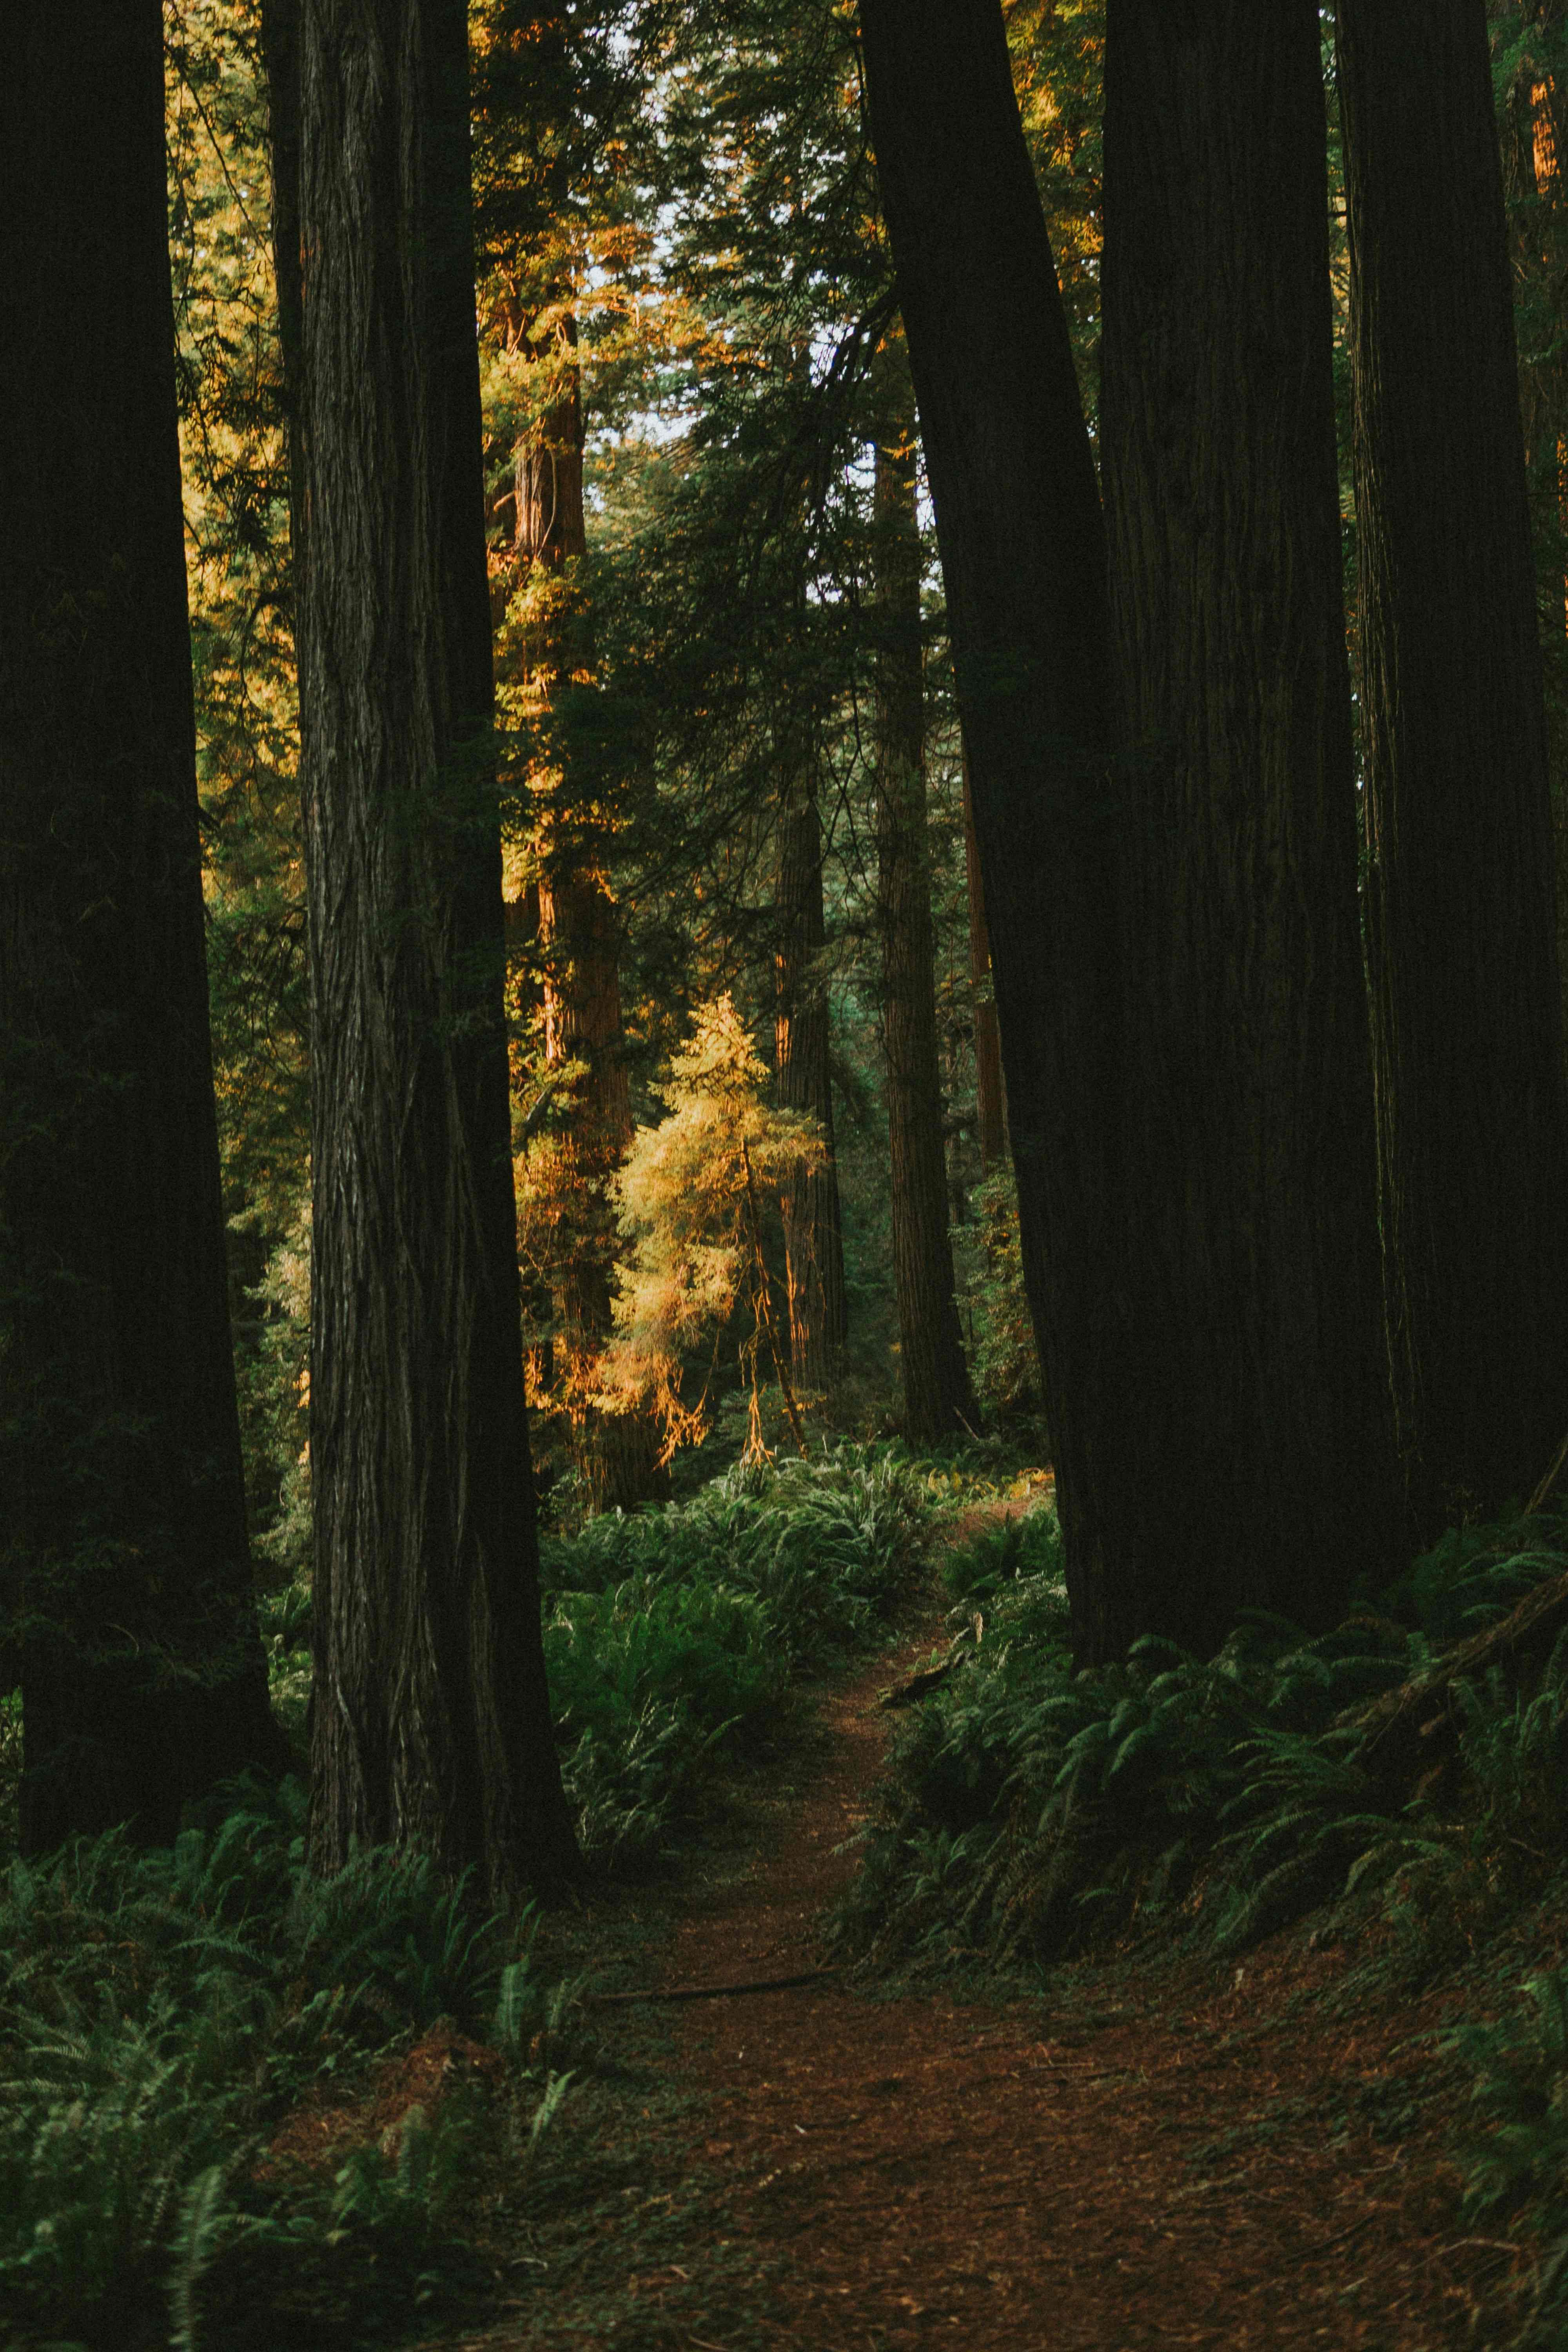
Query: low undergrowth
(167, 2018)
(672, 1637)
(161, 2015)
(1031, 1811)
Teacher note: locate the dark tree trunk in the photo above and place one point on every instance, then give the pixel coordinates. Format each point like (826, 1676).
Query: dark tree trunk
(1023, 557)
(431, 1721)
(127, 1582)
(937, 1395)
(814, 1239)
(1200, 1263)
(1249, 1237)
(990, 1100)
(1461, 919)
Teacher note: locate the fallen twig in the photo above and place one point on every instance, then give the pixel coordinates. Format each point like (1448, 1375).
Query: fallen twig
(928, 1678)
(710, 1993)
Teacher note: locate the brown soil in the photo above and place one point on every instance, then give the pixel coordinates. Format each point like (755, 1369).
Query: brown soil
(1178, 2167)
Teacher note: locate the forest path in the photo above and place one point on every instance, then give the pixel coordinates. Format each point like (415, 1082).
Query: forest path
(1150, 2155)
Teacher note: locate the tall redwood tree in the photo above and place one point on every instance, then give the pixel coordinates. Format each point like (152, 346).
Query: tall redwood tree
(1023, 555)
(1249, 1233)
(938, 1399)
(126, 1572)
(1172, 929)
(431, 1719)
(1461, 897)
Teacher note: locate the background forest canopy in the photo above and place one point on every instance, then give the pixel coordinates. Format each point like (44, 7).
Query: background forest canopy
(936, 980)
(681, 285)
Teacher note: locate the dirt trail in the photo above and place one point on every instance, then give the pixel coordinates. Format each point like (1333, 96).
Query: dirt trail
(1181, 2165)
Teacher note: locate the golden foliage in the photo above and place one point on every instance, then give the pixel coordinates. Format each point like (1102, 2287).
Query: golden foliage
(694, 1266)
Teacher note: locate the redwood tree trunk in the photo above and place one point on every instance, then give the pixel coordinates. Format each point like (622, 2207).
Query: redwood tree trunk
(937, 1395)
(1173, 935)
(128, 1609)
(814, 1240)
(1249, 1235)
(431, 1720)
(1461, 919)
(1023, 558)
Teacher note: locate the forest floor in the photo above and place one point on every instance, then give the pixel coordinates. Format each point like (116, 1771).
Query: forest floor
(1146, 2151)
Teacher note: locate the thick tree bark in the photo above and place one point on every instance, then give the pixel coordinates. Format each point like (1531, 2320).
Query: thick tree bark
(937, 1395)
(431, 1720)
(126, 1569)
(990, 1099)
(1461, 918)
(1249, 1235)
(813, 1239)
(1023, 557)
(1174, 936)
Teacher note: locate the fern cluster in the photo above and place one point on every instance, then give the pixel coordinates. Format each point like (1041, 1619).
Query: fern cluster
(672, 1636)
(160, 2012)
(1034, 1812)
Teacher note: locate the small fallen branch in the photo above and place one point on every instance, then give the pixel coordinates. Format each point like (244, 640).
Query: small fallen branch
(929, 1678)
(1402, 1732)
(1547, 1483)
(710, 1993)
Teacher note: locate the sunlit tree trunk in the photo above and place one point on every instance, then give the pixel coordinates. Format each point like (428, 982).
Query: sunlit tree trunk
(124, 1568)
(431, 1717)
(814, 1240)
(937, 1395)
(1461, 918)
(579, 936)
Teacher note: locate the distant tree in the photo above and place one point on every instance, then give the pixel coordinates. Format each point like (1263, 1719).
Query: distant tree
(937, 1396)
(431, 1722)
(543, 90)
(1461, 897)
(813, 1218)
(1249, 1247)
(126, 1571)
(693, 1193)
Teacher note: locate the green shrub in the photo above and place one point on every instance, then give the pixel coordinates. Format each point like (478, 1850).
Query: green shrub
(1515, 2159)
(159, 2012)
(824, 1543)
(645, 1680)
(1029, 1544)
(671, 1636)
(1033, 1811)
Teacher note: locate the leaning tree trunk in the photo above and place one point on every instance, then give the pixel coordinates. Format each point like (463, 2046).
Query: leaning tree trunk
(1023, 556)
(814, 1239)
(937, 1395)
(1461, 915)
(1249, 1233)
(126, 1569)
(431, 1721)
